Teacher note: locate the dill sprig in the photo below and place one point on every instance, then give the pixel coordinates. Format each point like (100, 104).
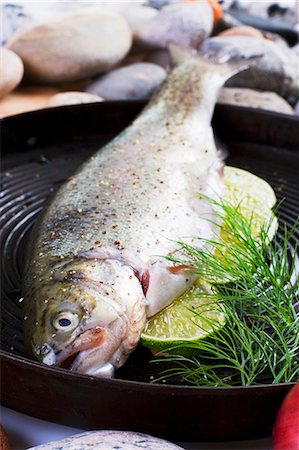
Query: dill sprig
(255, 282)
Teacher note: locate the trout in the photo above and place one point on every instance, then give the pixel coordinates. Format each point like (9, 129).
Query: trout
(97, 268)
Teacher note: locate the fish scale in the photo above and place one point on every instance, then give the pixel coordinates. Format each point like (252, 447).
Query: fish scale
(137, 193)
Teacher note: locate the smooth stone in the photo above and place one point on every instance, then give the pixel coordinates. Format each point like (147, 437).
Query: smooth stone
(276, 69)
(242, 30)
(73, 47)
(137, 81)
(72, 98)
(254, 99)
(138, 16)
(11, 71)
(20, 14)
(185, 24)
(25, 99)
(109, 440)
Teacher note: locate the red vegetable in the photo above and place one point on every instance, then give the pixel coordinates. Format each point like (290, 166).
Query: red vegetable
(286, 428)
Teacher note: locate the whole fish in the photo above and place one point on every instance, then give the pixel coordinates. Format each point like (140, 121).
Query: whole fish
(97, 268)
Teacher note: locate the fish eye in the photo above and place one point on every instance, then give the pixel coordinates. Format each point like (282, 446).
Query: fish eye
(65, 321)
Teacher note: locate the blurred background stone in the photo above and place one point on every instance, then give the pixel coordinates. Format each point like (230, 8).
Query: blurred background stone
(136, 81)
(72, 98)
(186, 24)
(11, 71)
(26, 99)
(254, 99)
(90, 50)
(22, 14)
(74, 47)
(242, 30)
(109, 440)
(138, 16)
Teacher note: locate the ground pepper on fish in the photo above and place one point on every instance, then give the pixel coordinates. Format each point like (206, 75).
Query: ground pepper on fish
(100, 244)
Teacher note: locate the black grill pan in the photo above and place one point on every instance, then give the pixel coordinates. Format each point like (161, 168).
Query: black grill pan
(39, 151)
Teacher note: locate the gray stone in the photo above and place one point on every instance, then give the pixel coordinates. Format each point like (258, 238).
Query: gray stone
(72, 98)
(18, 14)
(11, 71)
(185, 24)
(269, 101)
(26, 98)
(109, 440)
(242, 30)
(138, 16)
(136, 81)
(73, 47)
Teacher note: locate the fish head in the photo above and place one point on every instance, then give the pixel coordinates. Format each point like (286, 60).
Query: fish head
(88, 317)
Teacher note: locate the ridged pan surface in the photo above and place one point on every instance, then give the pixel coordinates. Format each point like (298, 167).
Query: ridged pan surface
(43, 149)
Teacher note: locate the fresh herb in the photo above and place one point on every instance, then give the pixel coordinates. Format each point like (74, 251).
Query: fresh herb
(258, 295)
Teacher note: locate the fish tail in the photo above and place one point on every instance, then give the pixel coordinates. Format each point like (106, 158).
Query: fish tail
(227, 62)
(231, 63)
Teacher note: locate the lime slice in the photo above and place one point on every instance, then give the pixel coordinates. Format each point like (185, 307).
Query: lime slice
(193, 316)
(255, 198)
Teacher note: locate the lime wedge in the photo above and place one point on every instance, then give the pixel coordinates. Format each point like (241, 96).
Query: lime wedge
(193, 316)
(255, 198)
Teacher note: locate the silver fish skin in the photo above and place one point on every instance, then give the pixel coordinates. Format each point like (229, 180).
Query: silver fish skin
(97, 268)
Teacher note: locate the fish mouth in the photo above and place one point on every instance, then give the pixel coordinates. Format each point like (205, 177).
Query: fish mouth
(71, 363)
(82, 344)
